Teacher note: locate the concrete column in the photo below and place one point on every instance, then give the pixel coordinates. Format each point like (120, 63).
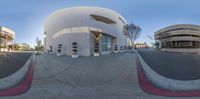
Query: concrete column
(171, 44)
(5, 46)
(198, 44)
(176, 44)
(160, 44)
(190, 43)
(179, 44)
(13, 44)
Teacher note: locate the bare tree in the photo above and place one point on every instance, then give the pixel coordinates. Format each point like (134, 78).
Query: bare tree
(152, 39)
(133, 32)
(38, 44)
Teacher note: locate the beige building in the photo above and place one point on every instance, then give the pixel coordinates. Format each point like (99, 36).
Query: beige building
(181, 37)
(7, 37)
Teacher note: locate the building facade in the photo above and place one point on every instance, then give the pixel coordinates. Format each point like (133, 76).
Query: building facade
(181, 36)
(7, 37)
(141, 45)
(94, 29)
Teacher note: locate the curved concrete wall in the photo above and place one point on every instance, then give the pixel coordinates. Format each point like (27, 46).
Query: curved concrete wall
(165, 83)
(75, 24)
(179, 29)
(16, 77)
(179, 36)
(172, 27)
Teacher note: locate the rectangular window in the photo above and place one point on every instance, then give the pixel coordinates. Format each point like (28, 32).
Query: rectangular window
(121, 20)
(103, 19)
(106, 43)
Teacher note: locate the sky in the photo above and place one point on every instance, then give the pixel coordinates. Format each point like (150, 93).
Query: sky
(27, 17)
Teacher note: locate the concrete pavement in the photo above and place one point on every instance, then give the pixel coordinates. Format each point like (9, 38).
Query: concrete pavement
(106, 77)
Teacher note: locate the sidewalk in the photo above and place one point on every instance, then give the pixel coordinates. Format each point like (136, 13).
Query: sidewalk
(107, 77)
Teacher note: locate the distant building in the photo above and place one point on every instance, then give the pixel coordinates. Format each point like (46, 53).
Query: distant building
(21, 47)
(141, 45)
(7, 37)
(181, 37)
(93, 29)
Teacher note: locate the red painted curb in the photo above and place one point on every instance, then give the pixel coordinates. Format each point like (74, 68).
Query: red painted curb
(151, 89)
(23, 86)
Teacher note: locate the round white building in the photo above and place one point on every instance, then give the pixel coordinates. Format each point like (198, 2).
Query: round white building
(94, 30)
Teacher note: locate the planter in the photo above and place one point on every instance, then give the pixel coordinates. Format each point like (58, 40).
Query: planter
(121, 49)
(59, 50)
(116, 49)
(50, 52)
(59, 54)
(75, 55)
(75, 50)
(96, 54)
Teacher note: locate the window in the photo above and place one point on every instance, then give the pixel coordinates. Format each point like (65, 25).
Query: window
(178, 29)
(106, 43)
(121, 20)
(103, 19)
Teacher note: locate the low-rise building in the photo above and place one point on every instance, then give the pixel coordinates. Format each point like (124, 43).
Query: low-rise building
(7, 37)
(141, 45)
(181, 38)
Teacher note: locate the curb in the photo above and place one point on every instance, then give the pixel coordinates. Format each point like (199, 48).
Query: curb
(24, 85)
(151, 89)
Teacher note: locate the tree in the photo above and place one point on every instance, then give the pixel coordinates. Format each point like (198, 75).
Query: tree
(133, 31)
(25, 47)
(38, 44)
(152, 43)
(16, 47)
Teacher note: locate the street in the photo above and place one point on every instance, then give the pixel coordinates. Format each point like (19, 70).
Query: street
(179, 66)
(10, 62)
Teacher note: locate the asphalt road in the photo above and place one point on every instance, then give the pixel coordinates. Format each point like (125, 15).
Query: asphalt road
(179, 66)
(10, 62)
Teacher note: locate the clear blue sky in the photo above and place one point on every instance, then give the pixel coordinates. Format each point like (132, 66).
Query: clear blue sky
(26, 17)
